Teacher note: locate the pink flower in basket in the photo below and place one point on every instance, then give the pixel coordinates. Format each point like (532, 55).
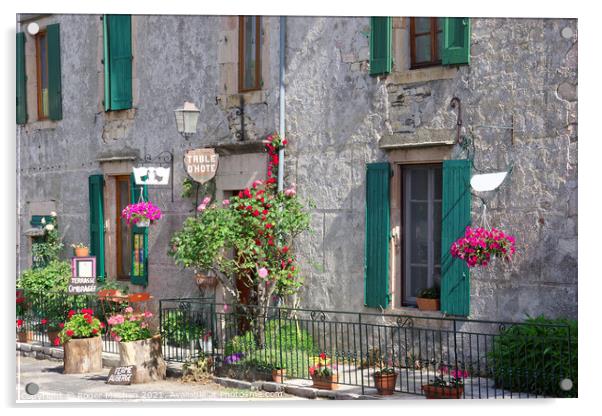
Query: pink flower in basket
(134, 213)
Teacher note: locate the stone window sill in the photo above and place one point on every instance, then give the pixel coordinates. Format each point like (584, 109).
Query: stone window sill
(409, 76)
(233, 100)
(415, 312)
(41, 125)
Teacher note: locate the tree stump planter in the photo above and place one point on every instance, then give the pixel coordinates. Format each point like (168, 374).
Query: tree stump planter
(25, 336)
(146, 355)
(326, 383)
(385, 383)
(439, 392)
(82, 355)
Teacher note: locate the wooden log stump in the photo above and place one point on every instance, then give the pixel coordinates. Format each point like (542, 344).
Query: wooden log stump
(146, 355)
(82, 355)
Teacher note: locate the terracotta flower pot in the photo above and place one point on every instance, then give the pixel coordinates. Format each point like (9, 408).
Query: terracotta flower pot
(25, 336)
(439, 392)
(203, 281)
(146, 355)
(385, 383)
(81, 251)
(326, 383)
(425, 304)
(83, 355)
(279, 375)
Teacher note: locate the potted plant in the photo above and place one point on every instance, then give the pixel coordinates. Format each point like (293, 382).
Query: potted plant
(141, 214)
(440, 388)
(385, 380)
(323, 375)
(428, 299)
(137, 345)
(23, 334)
(278, 374)
(80, 250)
(205, 281)
(52, 326)
(479, 246)
(82, 343)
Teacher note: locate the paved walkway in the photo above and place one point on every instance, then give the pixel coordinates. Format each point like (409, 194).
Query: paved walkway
(56, 386)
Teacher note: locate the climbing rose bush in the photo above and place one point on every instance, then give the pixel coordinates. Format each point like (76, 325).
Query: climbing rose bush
(134, 213)
(130, 326)
(80, 325)
(479, 246)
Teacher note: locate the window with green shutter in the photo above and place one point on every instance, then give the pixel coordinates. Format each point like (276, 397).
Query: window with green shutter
(21, 80)
(439, 41)
(456, 41)
(117, 30)
(97, 235)
(376, 263)
(456, 216)
(139, 268)
(381, 59)
(55, 111)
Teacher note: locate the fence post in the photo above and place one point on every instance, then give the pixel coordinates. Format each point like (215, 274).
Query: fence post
(361, 354)
(455, 347)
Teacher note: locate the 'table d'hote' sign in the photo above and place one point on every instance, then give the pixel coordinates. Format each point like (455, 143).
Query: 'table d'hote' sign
(201, 164)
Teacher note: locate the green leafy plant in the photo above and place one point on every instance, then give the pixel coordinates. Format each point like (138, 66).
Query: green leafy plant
(80, 325)
(429, 293)
(50, 246)
(113, 285)
(79, 245)
(54, 277)
(130, 326)
(177, 329)
(197, 369)
(187, 188)
(534, 357)
(241, 344)
(287, 335)
(444, 382)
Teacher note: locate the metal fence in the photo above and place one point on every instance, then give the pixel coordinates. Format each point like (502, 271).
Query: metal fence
(493, 359)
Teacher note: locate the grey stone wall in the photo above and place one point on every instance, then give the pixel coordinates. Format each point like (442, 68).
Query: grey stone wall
(338, 118)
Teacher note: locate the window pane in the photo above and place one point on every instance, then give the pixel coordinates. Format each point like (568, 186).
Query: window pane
(423, 48)
(437, 232)
(418, 228)
(419, 184)
(439, 44)
(422, 24)
(418, 280)
(249, 51)
(438, 181)
(43, 88)
(124, 229)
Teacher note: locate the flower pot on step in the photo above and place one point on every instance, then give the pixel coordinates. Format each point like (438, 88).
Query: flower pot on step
(279, 375)
(385, 383)
(440, 392)
(25, 336)
(326, 383)
(425, 304)
(146, 355)
(53, 334)
(81, 251)
(83, 355)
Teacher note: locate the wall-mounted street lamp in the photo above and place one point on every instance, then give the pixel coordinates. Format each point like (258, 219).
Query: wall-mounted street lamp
(186, 119)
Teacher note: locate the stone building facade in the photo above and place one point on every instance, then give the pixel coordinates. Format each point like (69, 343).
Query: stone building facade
(518, 107)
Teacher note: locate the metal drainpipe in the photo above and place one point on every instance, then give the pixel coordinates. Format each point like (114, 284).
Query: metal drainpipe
(18, 190)
(282, 102)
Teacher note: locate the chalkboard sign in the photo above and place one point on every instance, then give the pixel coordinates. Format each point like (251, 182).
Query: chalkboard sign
(122, 376)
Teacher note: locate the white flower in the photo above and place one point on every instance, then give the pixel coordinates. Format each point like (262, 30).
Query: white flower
(53, 213)
(49, 227)
(43, 220)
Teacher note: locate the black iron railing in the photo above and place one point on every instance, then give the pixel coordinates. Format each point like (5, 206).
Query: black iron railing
(493, 359)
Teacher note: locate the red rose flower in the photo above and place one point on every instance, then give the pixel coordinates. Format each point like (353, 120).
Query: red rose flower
(102, 324)
(268, 225)
(69, 332)
(322, 356)
(71, 313)
(57, 342)
(258, 242)
(61, 325)
(94, 331)
(265, 212)
(285, 249)
(240, 194)
(44, 321)
(19, 323)
(256, 213)
(270, 242)
(20, 300)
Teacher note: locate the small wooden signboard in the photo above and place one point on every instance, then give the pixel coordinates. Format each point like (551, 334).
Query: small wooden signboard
(201, 164)
(83, 276)
(122, 376)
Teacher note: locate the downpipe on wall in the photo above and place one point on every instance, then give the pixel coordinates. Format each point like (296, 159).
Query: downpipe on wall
(281, 129)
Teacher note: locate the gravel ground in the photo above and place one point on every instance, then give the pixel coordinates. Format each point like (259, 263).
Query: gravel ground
(53, 385)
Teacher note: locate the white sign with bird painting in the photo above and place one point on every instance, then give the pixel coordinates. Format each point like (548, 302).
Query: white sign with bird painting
(149, 175)
(201, 164)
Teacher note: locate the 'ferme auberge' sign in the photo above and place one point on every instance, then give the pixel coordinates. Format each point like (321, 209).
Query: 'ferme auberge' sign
(201, 164)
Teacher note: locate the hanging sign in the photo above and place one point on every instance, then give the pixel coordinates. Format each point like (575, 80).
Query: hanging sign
(150, 175)
(122, 376)
(201, 164)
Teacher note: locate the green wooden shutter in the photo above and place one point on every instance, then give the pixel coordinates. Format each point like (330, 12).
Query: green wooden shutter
(105, 63)
(376, 266)
(380, 45)
(21, 80)
(455, 217)
(118, 54)
(139, 271)
(97, 229)
(54, 72)
(456, 41)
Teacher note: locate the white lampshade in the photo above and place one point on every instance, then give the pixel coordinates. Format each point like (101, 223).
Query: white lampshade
(487, 181)
(186, 118)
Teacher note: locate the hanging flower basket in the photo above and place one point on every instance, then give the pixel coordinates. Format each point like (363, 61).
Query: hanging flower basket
(141, 214)
(479, 246)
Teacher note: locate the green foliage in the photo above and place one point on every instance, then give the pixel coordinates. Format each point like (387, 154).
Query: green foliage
(287, 335)
(430, 293)
(54, 277)
(179, 330)
(187, 188)
(49, 248)
(534, 358)
(241, 344)
(296, 362)
(113, 285)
